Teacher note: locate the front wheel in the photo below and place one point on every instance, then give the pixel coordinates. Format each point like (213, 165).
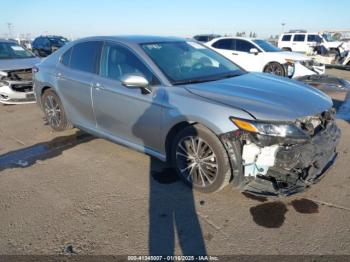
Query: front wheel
(275, 69)
(54, 111)
(200, 159)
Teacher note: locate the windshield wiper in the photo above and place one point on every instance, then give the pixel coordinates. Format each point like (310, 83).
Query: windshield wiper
(192, 81)
(213, 78)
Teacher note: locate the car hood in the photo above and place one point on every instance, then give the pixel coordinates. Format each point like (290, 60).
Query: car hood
(265, 97)
(334, 44)
(17, 64)
(290, 55)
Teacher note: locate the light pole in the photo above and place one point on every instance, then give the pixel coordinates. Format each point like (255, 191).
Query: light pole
(283, 24)
(9, 25)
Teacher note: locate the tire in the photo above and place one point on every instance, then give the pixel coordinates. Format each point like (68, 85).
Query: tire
(204, 174)
(275, 69)
(54, 111)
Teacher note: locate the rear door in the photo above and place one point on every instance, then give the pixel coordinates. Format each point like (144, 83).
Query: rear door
(226, 47)
(75, 74)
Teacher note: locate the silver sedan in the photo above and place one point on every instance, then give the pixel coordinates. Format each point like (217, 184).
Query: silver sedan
(181, 102)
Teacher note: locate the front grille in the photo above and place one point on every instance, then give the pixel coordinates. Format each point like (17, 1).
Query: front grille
(310, 64)
(22, 87)
(20, 75)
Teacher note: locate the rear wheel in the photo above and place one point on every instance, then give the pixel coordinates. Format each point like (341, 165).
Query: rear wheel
(200, 159)
(54, 111)
(275, 69)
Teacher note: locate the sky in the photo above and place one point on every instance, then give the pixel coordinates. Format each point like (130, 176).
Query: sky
(79, 18)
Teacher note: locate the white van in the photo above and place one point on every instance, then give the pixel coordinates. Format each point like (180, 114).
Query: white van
(301, 41)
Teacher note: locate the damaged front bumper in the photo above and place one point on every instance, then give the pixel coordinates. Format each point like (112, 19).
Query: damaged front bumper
(283, 168)
(16, 92)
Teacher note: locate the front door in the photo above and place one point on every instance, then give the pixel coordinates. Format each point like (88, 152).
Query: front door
(126, 113)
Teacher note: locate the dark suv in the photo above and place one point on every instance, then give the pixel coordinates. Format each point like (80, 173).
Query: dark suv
(205, 37)
(46, 45)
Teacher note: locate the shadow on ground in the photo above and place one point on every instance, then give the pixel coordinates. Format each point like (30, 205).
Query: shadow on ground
(25, 157)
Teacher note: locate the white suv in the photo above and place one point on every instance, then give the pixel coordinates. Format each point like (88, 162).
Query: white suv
(305, 42)
(257, 55)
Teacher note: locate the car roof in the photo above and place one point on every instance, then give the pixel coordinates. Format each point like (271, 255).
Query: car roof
(207, 35)
(237, 37)
(7, 41)
(135, 39)
(298, 33)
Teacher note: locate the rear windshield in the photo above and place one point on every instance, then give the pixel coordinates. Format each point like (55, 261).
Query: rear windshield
(58, 41)
(13, 51)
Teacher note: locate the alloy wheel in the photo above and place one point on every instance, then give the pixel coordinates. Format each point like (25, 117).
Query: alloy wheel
(52, 111)
(274, 69)
(196, 161)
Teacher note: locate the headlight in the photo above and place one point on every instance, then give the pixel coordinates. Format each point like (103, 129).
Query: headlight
(270, 129)
(290, 67)
(290, 61)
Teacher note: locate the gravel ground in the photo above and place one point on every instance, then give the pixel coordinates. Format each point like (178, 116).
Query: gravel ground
(72, 193)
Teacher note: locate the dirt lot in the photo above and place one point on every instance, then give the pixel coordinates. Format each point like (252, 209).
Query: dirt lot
(72, 193)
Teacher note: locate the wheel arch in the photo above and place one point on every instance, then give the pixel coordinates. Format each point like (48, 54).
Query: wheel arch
(276, 62)
(183, 124)
(172, 133)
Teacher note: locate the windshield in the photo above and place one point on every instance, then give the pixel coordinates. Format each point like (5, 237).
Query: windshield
(328, 37)
(266, 46)
(56, 41)
(189, 62)
(13, 51)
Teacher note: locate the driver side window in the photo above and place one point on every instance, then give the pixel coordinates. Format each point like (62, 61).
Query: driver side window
(243, 46)
(118, 61)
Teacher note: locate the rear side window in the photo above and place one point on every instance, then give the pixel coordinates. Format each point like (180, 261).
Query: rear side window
(299, 38)
(243, 46)
(65, 59)
(228, 44)
(286, 38)
(85, 56)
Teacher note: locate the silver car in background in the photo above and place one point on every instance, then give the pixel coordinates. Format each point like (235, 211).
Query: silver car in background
(16, 64)
(181, 102)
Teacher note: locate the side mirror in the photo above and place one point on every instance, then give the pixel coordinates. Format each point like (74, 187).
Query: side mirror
(136, 81)
(254, 51)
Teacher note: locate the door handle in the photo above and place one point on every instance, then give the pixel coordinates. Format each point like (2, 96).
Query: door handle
(234, 53)
(59, 75)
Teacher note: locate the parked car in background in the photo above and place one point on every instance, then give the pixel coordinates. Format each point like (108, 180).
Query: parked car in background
(304, 42)
(257, 55)
(27, 44)
(215, 122)
(16, 65)
(45, 45)
(205, 37)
